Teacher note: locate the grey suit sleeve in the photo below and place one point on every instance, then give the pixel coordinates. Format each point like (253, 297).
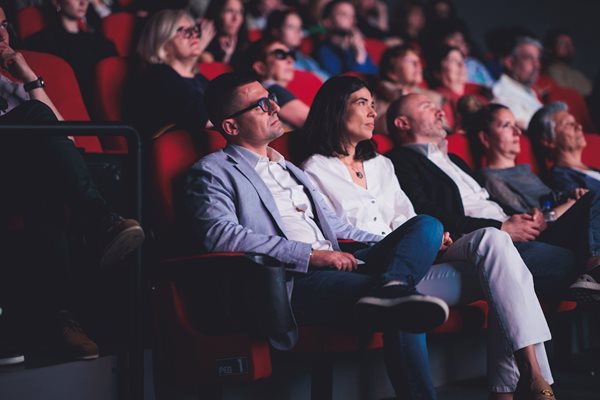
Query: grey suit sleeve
(212, 201)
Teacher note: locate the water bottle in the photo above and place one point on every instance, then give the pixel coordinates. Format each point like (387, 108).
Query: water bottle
(549, 213)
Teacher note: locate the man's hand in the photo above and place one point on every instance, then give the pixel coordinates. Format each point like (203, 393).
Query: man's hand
(446, 241)
(338, 259)
(14, 62)
(521, 227)
(580, 192)
(538, 219)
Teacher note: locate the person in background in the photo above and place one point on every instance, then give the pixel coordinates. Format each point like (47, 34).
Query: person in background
(514, 89)
(66, 37)
(400, 73)
(410, 22)
(272, 63)
(232, 35)
(343, 49)
(259, 11)
(560, 52)
(170, 90)
(448, 69)
(286, 26)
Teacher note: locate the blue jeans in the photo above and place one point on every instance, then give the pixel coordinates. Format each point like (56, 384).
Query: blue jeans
(327, 297)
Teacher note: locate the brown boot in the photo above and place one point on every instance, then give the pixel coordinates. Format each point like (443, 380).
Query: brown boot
(121, 237)
(71, 340)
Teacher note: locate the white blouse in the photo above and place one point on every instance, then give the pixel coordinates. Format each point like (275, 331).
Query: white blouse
(378, 209)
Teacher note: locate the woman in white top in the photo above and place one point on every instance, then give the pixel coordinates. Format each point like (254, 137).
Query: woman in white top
(360, 185)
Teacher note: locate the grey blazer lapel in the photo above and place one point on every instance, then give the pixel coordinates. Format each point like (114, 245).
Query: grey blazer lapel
(255, 180)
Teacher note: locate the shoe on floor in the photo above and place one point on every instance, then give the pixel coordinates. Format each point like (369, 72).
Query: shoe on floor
(401, 307)
(71, 341)
(121, 237)
(9, 355)
(586, 290)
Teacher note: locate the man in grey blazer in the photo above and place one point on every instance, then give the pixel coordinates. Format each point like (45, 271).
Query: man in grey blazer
(247, 198)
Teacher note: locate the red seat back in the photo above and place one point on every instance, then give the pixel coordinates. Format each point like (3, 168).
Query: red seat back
(63, 90)
(591, 153)
(459, 145)
(213, 69)
(304, 86)
(375, 48)
(254, 35)
(526, 155)
(29, 20)
(384, 143)
(120, 29)
(111, 78)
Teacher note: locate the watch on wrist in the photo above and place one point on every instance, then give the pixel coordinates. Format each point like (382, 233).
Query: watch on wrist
(38, 83)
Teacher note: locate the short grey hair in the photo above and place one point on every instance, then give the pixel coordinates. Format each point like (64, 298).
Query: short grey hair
(161, 28)
(542, 124)
(522, 40)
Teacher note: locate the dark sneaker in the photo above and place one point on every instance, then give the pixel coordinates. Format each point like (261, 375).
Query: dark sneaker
(586, 289)
(10, 355)
(402, 308)
(71, 340)
(121, 237)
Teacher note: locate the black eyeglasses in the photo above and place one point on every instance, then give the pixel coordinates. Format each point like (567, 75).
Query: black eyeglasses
(189, 31)
(282, 54)
(265, 103)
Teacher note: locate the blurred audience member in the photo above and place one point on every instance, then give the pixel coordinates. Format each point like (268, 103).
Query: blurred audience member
(169, 88)
(410, 22)
(272, 63)
(286, 26)
(514, 88)
(344, 48)
(259, 11)
(232, 35)
(560, 53)
(67, 38)
(400, 73)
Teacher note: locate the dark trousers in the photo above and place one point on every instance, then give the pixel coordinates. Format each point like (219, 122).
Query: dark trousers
(41, 175)
(327, 297)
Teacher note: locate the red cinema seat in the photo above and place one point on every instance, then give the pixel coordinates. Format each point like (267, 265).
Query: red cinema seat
(111, 78)
(29, 20)
(591, 153)
(213, 69)
(384, 143)
(459, 145)
(63, 89)
(197, 345)
(120, 28)
(375, 48)
(526, 155)
(304, 86)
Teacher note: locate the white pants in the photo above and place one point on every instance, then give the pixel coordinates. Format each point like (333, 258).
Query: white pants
(500, 276)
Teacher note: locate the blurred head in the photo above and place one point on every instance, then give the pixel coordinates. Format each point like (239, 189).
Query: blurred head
(169, 35)
(411, 17)
(228, 16)
(4, 28)
(448, 66)
(414, 118)
(559, 45)
(271, 60)
(556, 130)
(242, 110)
(339, 15)
(401, 64)
(523, 64)
(342, 113)
(71, 9)
(285, 26)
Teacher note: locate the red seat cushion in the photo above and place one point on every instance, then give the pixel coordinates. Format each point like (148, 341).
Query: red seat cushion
(304, 86)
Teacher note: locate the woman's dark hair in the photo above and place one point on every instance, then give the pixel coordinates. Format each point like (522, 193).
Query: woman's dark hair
(275, 22)
(437, 57)
(323, 129)
(213, 12)
(477, 117)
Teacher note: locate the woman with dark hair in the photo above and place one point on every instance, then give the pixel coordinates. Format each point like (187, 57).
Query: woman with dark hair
(362, 189)
(448, 69)
(286, 26)
(573, 218)
(232, 34)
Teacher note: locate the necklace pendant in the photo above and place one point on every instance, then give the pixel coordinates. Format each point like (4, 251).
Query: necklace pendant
(359, 175)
